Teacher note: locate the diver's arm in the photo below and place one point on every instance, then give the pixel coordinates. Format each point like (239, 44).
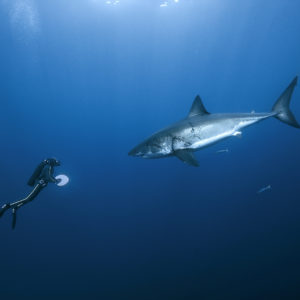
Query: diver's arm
(48, 175)
(53, 180)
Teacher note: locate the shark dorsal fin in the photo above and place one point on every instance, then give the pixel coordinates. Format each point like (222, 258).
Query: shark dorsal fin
(197, 108)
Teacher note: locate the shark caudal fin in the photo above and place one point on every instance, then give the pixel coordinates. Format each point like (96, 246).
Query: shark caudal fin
(282, 106)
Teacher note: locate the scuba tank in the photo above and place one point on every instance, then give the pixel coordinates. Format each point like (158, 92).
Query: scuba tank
(37, 173)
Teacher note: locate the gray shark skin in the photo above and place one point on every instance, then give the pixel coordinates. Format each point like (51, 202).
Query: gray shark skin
(201, 129)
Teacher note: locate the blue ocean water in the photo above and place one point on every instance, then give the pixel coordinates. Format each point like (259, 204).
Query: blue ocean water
(85, 81)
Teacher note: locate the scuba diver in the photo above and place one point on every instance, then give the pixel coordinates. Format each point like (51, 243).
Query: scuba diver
(42, 175)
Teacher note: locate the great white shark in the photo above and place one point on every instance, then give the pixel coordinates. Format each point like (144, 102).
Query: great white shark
(201, 129)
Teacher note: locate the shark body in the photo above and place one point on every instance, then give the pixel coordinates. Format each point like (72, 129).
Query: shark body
(201, 129)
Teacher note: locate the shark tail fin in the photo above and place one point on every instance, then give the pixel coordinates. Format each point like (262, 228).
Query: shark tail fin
(281, 107)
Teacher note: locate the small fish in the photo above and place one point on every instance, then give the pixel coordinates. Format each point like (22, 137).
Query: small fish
(268, 187)
(222, 150)
(237, 133)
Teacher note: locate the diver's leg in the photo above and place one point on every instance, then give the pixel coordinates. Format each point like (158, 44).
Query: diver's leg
(37, 189)
(30, 197)
(15, 205)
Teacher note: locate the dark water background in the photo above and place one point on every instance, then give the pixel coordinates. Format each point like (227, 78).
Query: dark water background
(85, 81)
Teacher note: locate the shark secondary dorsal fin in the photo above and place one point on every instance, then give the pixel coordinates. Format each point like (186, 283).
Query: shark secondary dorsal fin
(197, 108)
(187, 157)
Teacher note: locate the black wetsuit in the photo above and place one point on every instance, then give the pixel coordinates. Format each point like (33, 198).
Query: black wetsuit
(42, 175)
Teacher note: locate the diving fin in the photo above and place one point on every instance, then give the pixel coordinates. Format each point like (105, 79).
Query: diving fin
(187, 157)
(14, 217)
(4, 208)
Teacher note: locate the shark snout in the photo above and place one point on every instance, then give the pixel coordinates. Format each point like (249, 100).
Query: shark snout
(153, 147)
(132, 152)
(135, 152)
(139, 150)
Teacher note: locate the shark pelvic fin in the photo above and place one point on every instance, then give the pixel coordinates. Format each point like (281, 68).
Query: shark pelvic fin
(187, 157)
(197, 108)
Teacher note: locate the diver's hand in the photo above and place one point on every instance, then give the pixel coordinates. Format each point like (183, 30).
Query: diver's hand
(58, 180)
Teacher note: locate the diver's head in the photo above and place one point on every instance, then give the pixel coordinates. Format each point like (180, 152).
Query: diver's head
(53, 162)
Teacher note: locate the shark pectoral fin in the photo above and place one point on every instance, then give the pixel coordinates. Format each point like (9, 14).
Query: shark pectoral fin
(187, 157)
